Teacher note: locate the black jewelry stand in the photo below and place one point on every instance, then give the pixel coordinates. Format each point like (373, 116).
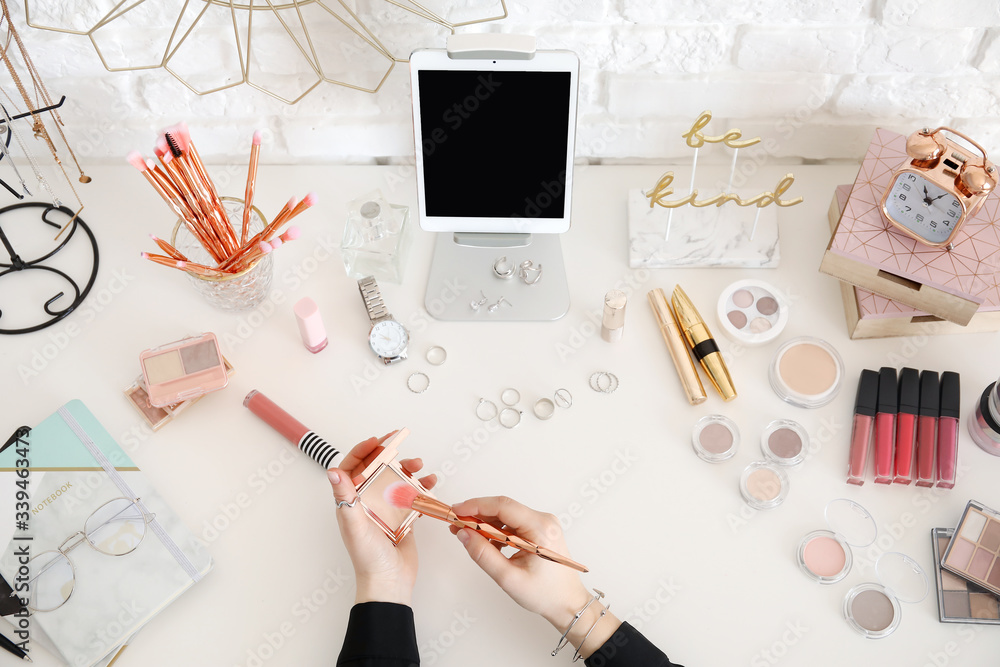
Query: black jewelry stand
(17, 264)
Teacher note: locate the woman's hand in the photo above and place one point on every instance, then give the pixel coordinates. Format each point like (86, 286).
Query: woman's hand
(384, 572)
(551, 590)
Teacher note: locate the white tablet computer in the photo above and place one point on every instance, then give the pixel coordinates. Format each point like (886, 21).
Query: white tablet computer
(494, 140)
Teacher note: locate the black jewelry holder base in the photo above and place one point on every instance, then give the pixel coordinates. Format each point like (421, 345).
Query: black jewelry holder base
(17, 264)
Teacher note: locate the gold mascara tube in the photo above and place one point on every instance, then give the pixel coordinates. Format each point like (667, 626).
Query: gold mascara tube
(678, 349)
(702, 344)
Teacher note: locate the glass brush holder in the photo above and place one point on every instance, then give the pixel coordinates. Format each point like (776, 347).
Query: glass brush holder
(376, 239)
(240, 291)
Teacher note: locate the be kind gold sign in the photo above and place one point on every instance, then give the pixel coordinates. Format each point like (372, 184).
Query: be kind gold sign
(673, 227)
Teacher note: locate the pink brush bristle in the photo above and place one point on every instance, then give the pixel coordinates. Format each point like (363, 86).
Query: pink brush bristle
(292, 234)
(179, 133)
(144, 255)
(258, 136)
(150, 164)
(310, 199)
(276, 243)
(400, 494)
(264, 246)
(291, 203)
(136, 160)
(161, 147)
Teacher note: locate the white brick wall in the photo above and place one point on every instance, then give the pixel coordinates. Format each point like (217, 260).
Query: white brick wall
(815, 75)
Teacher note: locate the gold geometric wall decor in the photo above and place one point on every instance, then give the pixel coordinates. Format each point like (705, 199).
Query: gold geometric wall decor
(284, 48)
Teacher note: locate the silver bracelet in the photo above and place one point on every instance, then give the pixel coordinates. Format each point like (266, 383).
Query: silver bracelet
(577, 656)
(576, 617)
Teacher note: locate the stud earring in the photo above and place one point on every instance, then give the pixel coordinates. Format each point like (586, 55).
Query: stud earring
(494, 307)
(476, 305)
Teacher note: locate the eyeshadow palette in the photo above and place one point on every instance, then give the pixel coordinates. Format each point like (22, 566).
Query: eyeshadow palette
(960, 601)
(974, 550)
(182, 370)
(752, 312)
(156, 416)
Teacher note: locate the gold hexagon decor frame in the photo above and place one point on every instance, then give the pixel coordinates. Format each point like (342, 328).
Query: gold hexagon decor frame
(293, 16)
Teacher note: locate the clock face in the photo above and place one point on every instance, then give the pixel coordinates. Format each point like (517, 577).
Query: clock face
(926, 209)
(388, 339)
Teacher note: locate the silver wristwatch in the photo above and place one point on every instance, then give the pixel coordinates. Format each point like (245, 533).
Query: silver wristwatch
(387, 338)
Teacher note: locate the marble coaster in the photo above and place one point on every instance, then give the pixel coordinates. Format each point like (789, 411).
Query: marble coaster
(700, 237)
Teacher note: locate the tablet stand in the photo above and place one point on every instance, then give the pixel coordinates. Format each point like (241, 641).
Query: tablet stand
(462, 266)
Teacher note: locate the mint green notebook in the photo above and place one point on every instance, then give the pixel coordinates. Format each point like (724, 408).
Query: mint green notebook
(75, 467)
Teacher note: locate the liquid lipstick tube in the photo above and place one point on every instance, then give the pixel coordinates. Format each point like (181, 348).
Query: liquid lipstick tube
(930, 402)
(885, 425)
(906, 424)
(293, 430)
(947, 427)
(864, 419)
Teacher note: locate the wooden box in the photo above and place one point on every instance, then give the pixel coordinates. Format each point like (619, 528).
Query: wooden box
(863, 250)
(872, 316)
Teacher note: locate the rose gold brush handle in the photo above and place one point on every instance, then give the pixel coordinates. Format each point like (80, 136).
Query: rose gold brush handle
(435, 508)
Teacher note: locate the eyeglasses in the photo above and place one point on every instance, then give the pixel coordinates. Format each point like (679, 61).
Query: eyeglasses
(115, 528)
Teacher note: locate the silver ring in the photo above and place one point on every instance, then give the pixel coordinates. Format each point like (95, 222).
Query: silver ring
(563, 398)
(544, 408)
(604, 382)
(503, 268)
(529, 273)
(436, 355)
(344, 503)
(491, 410)
(510, 396)
(421, 386)
(509, 417)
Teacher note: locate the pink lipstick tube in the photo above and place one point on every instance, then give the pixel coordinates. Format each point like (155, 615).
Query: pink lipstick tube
(293, 430)
(947, 429)
(885, 425)
(861, 433)
(930, 402)
(906, 424)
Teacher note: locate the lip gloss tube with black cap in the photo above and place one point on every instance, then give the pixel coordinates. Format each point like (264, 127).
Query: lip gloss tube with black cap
(885, 425)
(930, 403)
(947, 453)
(864, 419)
(906, 424)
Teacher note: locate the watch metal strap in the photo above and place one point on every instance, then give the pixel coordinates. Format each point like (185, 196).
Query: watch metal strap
(372, 296)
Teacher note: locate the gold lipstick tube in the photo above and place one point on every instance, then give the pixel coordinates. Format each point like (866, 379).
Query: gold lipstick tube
(435, 508)
(678, 349)
(702, 344)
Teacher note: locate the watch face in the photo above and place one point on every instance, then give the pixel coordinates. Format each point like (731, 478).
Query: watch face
(926, 209)
(388, 339)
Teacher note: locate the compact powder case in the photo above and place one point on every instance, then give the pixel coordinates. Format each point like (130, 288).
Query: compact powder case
(806, 372)
(825, 555)
(784, 442)
(752, 312)
(715, 438)
(873, 610)
(763, 485)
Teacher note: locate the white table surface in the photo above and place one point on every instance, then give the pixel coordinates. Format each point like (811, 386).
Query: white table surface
(665, 535)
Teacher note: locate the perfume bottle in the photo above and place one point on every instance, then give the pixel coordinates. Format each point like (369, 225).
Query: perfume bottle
(376, 238)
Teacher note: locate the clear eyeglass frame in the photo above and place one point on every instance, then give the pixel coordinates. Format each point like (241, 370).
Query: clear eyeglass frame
(127, 513)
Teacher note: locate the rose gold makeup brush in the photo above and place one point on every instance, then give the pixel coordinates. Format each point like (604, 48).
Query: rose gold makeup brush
(167, 248)
(251, 184)
(257, 238)
(404, 496)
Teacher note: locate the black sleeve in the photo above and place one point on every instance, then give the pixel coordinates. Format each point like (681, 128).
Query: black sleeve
(628, 648)
(380, 634)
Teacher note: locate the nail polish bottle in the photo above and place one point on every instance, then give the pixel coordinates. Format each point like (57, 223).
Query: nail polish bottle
(885, 425)
(864, 419)
(906, 424)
